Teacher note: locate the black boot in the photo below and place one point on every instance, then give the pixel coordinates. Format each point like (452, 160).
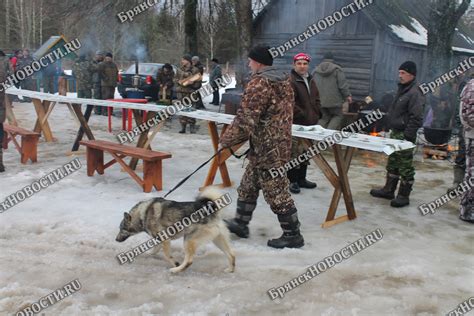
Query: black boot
(302, 182)
(468, 215)
(291, 237)
(2, 167)
(239, 224)
(183, 129)
(388, 191)
(403, 196)
(293, 177)
(192, 128)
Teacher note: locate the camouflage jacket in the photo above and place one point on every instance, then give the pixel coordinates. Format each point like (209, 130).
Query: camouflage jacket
(5, 68)
(83, 70)
(265, 119)
(183, 73)
(467, 109)
(95, 74)
(108, 74)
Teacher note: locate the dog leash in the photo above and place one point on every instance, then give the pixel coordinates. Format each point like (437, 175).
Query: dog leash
(205, 163)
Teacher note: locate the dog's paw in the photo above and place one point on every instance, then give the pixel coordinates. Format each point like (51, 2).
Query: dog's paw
(229, 270)
(175, 270)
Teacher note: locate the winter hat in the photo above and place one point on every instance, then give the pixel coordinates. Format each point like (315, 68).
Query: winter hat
(261, 54)
(188, 58)
(328, 55)
(99, 53)
(215, 60)
(109, 55)
(302, 56)
(409, 67)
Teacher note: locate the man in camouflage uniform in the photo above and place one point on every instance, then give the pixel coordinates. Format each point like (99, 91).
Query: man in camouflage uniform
(187, 70)
(96, 87)
(197, 63)
(27, 83)
(165, 78)
(404, 118)
(83, 70)
(467, 120)
(5, 70)
(108, 72)
(265, 120)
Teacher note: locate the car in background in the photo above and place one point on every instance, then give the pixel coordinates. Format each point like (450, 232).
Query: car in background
(148, 73)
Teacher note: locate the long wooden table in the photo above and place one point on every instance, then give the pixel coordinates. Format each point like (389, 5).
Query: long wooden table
(309, 135)
(44, 104)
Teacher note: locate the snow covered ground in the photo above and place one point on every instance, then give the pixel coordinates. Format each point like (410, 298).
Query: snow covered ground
(422, 266)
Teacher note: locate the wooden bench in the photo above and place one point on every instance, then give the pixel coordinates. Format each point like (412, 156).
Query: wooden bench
(152, 166)
(28, 147)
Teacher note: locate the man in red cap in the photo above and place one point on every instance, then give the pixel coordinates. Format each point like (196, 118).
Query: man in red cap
(305, 112)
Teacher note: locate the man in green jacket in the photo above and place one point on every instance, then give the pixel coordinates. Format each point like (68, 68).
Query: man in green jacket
(333, 90)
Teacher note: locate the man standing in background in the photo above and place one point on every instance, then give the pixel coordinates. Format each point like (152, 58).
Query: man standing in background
(216, 73)
(108, 72)
(187, 81)
(306, 112)
(197, 63)
(96, 86)
(83, 70)
(334, 91)
(27, 83)
(404, 118)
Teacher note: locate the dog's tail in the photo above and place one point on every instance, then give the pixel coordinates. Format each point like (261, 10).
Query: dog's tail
(209, 195)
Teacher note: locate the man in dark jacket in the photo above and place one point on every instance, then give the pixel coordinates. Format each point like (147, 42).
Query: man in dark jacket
(28, 83)
(96, 82)
(108, 72)
(216, 73)
(404, 118)
(265, 120)
(306, 112)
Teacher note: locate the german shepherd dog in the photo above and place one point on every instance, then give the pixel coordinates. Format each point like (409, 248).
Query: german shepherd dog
(155, 215)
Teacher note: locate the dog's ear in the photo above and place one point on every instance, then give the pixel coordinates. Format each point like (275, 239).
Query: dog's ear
(127, 216)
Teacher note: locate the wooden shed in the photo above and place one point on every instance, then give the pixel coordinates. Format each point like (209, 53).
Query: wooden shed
(370, 45)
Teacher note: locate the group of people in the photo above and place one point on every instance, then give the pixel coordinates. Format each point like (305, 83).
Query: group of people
(96, 78)
(273, 101)
(187, 81)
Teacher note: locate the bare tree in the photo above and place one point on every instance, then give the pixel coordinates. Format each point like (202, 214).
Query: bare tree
(243, 11)
(190, 26)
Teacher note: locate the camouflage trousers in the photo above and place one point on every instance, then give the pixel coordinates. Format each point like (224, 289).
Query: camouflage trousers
(275, 191)
(401, 162)
(184, 120)
(467, 200)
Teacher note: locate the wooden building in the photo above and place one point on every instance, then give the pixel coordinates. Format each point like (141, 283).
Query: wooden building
(370, 45)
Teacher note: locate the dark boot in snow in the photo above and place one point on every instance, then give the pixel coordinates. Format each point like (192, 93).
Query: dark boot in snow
(458, 177)
(388, 191)
(295, 187)
(183, 129)
(403, 196)
(239, 224)
(291, 237)
(192, 128)
(302, 182)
